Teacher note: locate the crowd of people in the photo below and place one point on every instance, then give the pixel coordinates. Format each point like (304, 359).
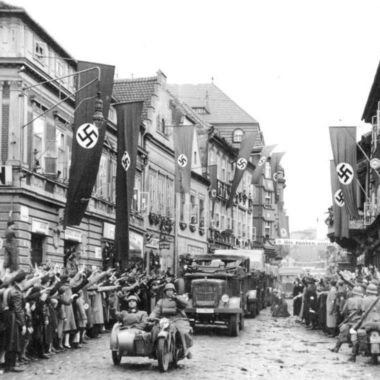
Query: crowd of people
(50, 309)
(336, 303)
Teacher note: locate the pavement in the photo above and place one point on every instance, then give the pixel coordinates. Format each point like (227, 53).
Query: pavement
(268, 348)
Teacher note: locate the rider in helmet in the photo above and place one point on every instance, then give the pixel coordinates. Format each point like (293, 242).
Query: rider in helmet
(133, 317)
(173, 307)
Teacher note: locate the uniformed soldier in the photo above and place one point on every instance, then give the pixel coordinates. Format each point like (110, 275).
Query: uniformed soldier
(351, 310)
(173, 308)
(133, 317)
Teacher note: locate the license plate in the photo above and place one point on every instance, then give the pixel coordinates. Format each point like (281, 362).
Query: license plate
(375, 339)
(205, 311)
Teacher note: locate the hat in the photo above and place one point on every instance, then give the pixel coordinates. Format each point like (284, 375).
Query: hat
(169, 286)
(371, 289)
(132, 297)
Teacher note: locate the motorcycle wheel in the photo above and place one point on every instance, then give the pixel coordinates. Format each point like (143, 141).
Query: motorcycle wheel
(233, 325)
(116, 357)
(163, 355)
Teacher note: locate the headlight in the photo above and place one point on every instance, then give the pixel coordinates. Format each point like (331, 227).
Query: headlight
(225, 298)
(164, 323)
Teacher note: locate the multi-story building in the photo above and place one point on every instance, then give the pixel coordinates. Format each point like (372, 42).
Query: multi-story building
(254, 219)
(37, 96)
(174, 224)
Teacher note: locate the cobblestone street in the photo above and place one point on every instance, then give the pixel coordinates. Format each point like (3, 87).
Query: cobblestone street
(268, 348)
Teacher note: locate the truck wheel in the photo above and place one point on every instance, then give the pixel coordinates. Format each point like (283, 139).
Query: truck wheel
(252, 310)
(116, 357)
(163, 355)
(233, 325)
(241, 323)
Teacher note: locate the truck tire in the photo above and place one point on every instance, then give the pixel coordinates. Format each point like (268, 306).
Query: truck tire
(252, 309)
(116, 357)
(233, 325)
(241, 322)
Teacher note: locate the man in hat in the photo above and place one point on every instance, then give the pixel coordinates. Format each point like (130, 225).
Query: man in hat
(16, 323)
(351, 311)
(173, 307)
(373, 315)
(133, 317)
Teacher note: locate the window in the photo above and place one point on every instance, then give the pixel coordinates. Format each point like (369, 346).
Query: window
(200, 110)
(254, 235)
(40, 51)
(224, 174)
(161, 125)
(267, 170)
(194, 210)
(237, 135)
(201, 212)
(267, 229)
(268, 198)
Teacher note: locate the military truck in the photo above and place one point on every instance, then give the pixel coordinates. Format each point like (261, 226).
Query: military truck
(218, 288)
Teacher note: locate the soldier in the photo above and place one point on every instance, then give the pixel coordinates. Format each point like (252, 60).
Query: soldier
(351, 310)
(133, 317)
(373, 316)
(172, 307)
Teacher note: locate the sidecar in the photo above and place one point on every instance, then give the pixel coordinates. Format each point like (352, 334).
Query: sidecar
(129, 341)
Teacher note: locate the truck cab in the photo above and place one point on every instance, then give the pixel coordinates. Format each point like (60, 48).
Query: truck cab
(217, 286)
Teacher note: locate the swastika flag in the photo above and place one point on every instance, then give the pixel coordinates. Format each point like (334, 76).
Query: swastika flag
(88, 135)
(343, 144)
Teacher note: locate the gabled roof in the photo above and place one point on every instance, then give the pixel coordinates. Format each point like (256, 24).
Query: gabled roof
(221, 108)
(135, 90)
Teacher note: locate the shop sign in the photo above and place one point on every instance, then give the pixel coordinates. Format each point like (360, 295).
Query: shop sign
(40, 227)
(72, 234)
(164, 245)
(153, 243)
(24, 213)
(109, 231)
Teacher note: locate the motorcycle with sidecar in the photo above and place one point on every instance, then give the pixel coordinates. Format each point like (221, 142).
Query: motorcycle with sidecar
(163, 343)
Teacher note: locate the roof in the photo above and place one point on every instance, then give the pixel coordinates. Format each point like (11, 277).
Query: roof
(222, 109)
(10, 10)
(135, 90)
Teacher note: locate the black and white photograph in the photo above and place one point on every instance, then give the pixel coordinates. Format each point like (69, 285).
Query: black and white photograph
(189, 189)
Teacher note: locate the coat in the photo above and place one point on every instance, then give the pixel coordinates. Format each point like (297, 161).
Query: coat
(15, 317)
(136, 318)
(80, 313)
(331, 315)
(69, 320)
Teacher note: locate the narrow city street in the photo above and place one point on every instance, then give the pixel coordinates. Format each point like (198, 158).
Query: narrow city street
(269, 348)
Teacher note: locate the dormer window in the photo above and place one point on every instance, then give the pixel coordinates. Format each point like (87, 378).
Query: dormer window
(40, 51)
(237, 135)
(201, 110)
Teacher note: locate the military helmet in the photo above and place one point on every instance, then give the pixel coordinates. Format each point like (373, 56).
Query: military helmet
(132, 298)
(169, 286)
(357, 291)
(371, 289)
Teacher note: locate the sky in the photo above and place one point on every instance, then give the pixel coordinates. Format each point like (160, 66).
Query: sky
(296, 66)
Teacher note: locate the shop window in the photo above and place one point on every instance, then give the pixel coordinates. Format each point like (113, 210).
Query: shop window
(36, 254)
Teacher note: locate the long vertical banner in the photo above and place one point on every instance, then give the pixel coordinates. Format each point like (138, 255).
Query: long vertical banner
(341, 220)
(213, 173)
(88, 137)
(264, 155)
(183, 136)
(245, 151)
(343, 143)
(128, 126)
